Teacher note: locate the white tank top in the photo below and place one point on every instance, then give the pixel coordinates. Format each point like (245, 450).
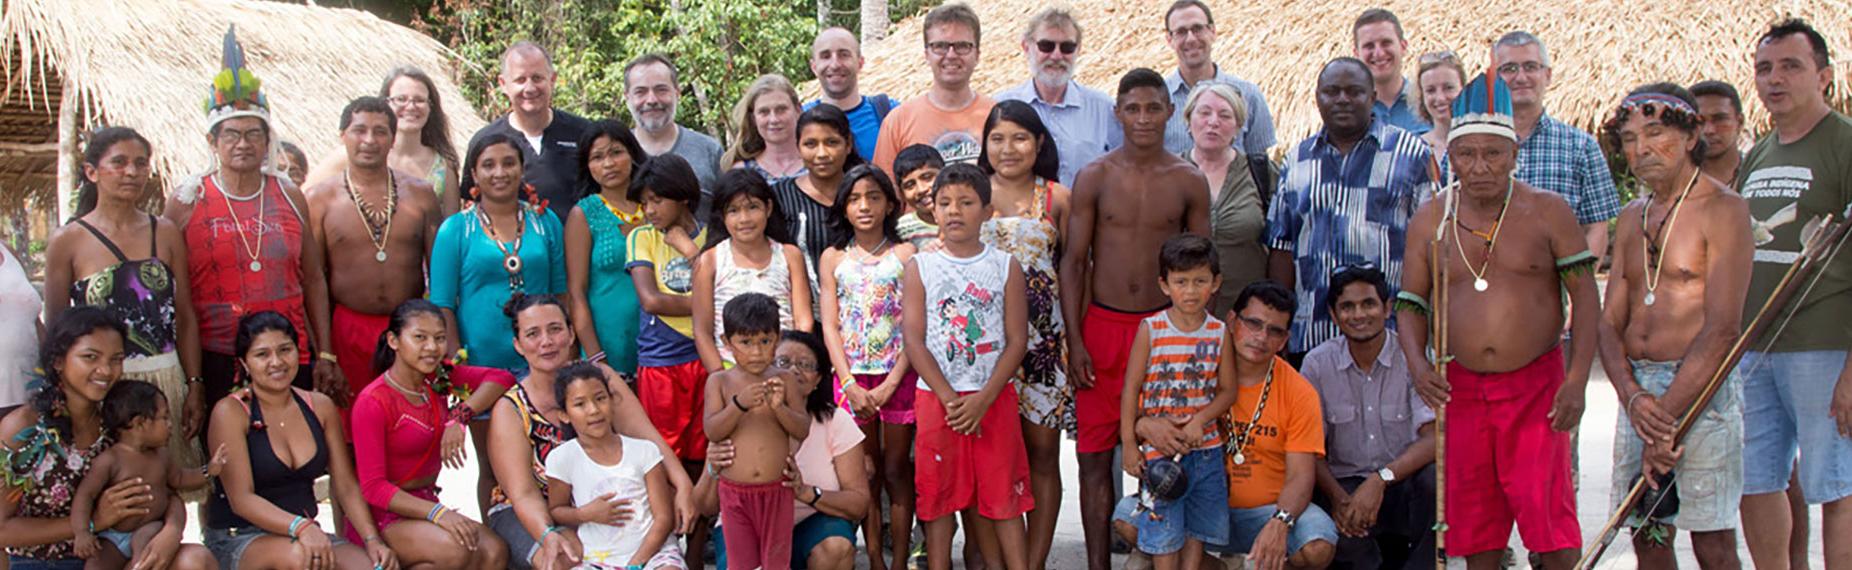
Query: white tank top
(732, 280)
(964, 314)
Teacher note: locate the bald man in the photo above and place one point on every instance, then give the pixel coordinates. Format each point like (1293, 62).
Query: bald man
(836, 60)
(551, 152)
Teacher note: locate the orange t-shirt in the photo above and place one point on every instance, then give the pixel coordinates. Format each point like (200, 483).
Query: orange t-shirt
(958, 135)
(1292, 423)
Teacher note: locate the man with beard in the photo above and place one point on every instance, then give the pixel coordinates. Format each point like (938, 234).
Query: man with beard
(1124, 206)
(1376, 38)
(376, 225)
(1512, 251)
(652, 91)
(1079, 118)
(1190, 30)
(836, 60)
(1377, 477)
(1345, 197)
(1661, 341)
(1722, 129)
(551, 154)
(950, 116)
(249, 240)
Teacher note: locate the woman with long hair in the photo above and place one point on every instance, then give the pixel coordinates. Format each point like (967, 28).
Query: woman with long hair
(1439, 80)
(1239, 187)
(115, 256)
(422, 146)
(764, 137)
(603, 296)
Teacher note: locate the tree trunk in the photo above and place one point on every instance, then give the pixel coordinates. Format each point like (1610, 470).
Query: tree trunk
(874, 20)
(823, 14)
(67, 151)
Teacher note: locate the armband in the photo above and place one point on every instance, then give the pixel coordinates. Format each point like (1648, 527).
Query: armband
(1579, 264)
(1406, 301)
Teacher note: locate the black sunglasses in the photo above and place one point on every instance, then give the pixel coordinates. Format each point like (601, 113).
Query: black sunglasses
(1048, 46)
(1349, 267)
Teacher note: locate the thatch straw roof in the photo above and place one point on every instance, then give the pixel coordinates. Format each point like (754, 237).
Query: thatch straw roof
(147, 64)
(1599, 50)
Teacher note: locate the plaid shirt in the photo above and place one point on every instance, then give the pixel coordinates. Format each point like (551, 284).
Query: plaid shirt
(1334, 209)
(1561, 159)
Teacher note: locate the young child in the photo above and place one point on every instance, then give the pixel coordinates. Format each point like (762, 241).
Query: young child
(914, 170)
(749, 404)
(670, 377)
(589, 477)
(1176, 373)
(134, 416)
(744, 254)
(966, 324)
(861, 273)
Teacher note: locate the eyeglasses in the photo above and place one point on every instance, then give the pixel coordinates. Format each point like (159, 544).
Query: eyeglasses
(1349, 267)
(409, 101)
(1191, 30)
(1526, 67)
(257, 136)
(1048, 46)
(1257, 326)
(1437, 57)
(795, 364)
(960, 48)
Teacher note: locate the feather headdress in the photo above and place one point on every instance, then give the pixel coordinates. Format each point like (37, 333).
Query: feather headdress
(236, 92)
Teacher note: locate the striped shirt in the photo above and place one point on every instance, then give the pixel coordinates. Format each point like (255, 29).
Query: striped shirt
(1335, 209)
(1181, 376)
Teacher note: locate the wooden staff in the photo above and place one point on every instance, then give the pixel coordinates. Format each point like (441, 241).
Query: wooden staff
(1437, 337)
(1815, 253)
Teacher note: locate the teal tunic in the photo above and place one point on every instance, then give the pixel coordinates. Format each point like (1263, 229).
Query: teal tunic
(467, 277)
(608, 287)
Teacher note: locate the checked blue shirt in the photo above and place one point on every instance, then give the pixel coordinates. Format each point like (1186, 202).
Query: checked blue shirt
(1335, 209)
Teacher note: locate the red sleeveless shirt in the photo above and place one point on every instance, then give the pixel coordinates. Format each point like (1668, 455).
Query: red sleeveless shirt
(219, 262)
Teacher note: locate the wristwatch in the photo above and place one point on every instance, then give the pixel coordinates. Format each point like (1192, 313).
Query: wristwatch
(1387, 474)
(816, 494)
(1285, 517)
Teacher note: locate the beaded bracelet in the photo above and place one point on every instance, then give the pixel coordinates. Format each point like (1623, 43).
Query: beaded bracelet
(296, 525)
(436, 511)
(599, 357)
(461, 414)
(550, 531)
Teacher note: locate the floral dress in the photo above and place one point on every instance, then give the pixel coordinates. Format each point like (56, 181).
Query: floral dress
(44, 473)
(1032, 239)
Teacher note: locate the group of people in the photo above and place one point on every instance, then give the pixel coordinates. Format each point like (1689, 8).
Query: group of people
(866, 312)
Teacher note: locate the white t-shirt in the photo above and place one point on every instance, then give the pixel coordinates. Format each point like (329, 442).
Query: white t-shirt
(19, 314)
(608, 544)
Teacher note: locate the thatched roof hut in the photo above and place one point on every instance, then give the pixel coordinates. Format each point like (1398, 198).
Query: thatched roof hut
(1599, 49)
(75, 64)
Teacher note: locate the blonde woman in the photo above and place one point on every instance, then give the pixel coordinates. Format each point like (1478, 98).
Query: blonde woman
(765, 131)
(1240, 186)
(1439, 80)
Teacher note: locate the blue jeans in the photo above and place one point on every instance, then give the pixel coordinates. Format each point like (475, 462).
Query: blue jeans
(1202, 513)
(1786, 401)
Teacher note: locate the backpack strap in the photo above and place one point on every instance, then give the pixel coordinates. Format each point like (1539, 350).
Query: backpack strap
(1262, 171)
(883, 104)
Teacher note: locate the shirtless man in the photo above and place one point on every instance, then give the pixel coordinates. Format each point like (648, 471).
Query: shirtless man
(1510, 403)
(376, 225)
(1124, 206)
(1674, 305)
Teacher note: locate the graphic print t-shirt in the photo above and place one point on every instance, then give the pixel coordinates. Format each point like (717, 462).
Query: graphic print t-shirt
(956, 134)
(1790, 188)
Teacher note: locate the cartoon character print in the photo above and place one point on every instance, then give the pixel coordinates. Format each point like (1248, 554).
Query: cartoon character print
(964, 313)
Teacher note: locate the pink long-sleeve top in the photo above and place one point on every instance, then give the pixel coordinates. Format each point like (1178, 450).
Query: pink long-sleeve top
(397, 441)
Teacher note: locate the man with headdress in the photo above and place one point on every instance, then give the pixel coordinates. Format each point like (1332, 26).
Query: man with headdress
(1510, 251)
(1674, 306)
(375, 225)
(248, 238)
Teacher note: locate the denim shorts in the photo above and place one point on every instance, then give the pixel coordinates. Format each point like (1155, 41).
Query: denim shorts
(1710, 475)
(1787, 398)
(1244, 526)
(23, 563)
(521, 545)
(1202, 513)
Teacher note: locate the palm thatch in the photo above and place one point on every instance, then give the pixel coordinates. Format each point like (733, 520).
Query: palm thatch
(1599, 50)
(147, 64)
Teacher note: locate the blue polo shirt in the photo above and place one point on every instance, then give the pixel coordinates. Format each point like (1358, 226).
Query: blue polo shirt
(865, 121)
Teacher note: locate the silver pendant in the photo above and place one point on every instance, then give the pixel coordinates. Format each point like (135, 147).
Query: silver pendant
(512, 264)
(1240, 458)
(380, 257)
(1480, 284)
(1650, 298)
(256, 266)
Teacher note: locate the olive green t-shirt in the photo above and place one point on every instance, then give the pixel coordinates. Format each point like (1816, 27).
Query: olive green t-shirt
(1788, 187)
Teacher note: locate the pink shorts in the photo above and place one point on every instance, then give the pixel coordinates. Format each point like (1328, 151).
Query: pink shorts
(758, 518)
(897, 410)
(988, 470)
(1505, 465)
(383, 518)
(672, 398)
(1108, 336)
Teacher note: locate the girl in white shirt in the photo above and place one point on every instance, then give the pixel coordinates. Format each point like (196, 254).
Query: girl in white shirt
(613, 488)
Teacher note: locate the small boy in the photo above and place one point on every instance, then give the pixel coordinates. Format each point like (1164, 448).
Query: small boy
(914, 169)
(134, 415)
(749, 404)
(966, 326)
(1175, 373)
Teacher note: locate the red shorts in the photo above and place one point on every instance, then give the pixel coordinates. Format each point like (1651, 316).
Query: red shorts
(355, 336)
(1504, 463)
(1108, 336)
(383, 518)
(758, 518)
(947, 475)
(672, 398)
